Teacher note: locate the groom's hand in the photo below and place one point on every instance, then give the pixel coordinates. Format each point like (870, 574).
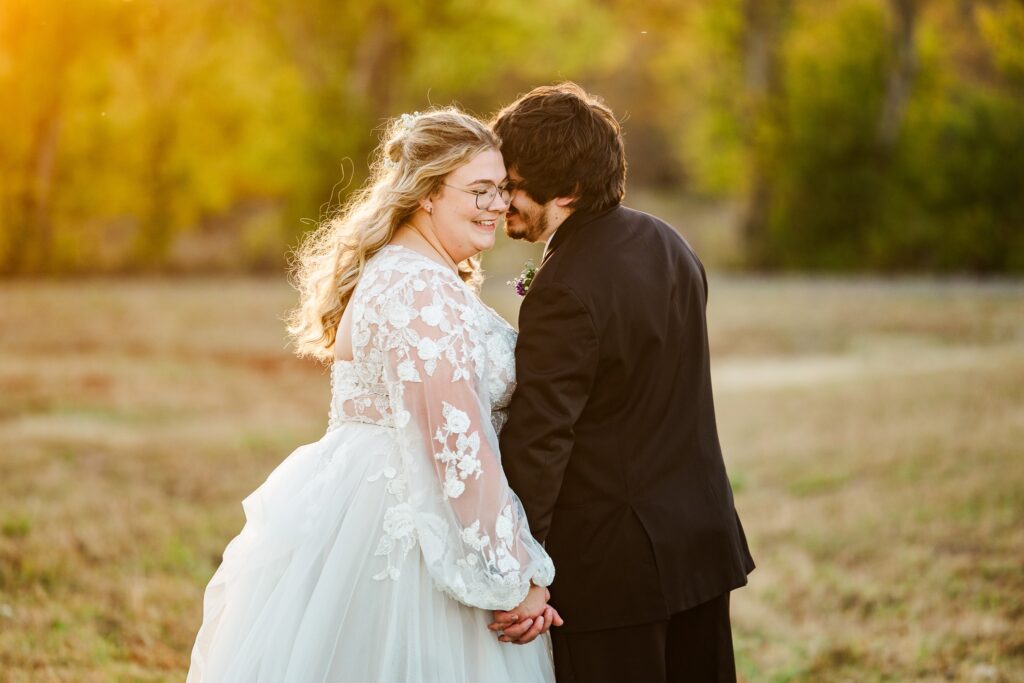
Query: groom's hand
(527, 630)
(532, 617)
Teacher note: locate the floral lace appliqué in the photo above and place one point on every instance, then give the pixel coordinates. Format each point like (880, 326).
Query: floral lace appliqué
(435, 366)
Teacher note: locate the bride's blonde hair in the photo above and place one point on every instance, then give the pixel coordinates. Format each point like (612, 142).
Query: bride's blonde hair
(416, 153)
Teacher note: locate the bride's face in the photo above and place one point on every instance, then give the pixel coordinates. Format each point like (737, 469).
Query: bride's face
(463, 229)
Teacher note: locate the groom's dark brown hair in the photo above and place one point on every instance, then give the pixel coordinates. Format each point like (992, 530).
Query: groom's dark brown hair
(564, 142)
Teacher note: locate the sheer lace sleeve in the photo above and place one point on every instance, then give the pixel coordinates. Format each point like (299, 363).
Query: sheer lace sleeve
(453, 496)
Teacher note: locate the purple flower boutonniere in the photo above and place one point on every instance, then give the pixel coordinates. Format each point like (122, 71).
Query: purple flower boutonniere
(525, 279)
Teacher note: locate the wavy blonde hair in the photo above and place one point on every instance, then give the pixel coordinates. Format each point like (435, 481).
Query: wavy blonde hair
(415, 155)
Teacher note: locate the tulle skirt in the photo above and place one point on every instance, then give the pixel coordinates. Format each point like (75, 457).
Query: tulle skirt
(295, 598)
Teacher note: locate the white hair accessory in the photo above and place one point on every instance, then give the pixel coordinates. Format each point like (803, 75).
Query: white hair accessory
(408, 120)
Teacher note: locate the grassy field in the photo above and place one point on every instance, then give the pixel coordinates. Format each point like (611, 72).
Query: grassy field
(874, 432)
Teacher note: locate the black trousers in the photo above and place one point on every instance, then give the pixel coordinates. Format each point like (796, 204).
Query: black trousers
(693, 646)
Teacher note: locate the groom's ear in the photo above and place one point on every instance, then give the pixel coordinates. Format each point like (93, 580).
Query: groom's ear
(567, 202)
(563, 202)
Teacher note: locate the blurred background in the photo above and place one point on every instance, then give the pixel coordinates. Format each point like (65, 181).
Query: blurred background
(851, 171)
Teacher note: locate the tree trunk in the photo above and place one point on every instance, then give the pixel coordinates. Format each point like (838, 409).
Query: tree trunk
(156, 229)
(902, 70)
(31, 243)
(764, 26)
(376, 54)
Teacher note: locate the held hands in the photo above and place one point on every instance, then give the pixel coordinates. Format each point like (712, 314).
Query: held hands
(532, 617)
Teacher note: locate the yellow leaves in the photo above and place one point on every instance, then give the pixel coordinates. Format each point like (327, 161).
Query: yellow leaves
(1002, 28)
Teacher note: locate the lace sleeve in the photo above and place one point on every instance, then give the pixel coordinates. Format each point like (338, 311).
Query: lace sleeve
(470, 525)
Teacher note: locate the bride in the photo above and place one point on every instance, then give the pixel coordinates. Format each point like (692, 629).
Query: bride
(377, 552)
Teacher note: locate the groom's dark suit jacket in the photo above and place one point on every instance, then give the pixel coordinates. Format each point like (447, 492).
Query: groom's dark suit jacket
(611, 440)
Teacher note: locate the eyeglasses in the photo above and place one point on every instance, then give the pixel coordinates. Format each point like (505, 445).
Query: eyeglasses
(485, 197)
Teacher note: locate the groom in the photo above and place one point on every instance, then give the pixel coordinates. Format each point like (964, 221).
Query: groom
(611, 440)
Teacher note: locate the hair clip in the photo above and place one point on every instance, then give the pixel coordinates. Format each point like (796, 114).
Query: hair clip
(409, 120)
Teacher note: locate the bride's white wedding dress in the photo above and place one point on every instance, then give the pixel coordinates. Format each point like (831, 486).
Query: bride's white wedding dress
(377, 552)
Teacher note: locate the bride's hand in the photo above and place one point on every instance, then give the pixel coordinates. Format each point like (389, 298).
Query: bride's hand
(526, 631)
(531, 607)
(532, 617)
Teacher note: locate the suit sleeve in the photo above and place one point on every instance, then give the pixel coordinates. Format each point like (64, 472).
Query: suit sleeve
(703, 277)
(556, 361)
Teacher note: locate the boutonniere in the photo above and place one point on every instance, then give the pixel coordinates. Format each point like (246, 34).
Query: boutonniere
(525, 279)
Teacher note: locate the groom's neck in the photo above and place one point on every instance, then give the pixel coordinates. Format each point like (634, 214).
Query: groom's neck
(554, 216)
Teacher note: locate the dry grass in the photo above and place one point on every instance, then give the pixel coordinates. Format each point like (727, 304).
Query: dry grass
(874, 432)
